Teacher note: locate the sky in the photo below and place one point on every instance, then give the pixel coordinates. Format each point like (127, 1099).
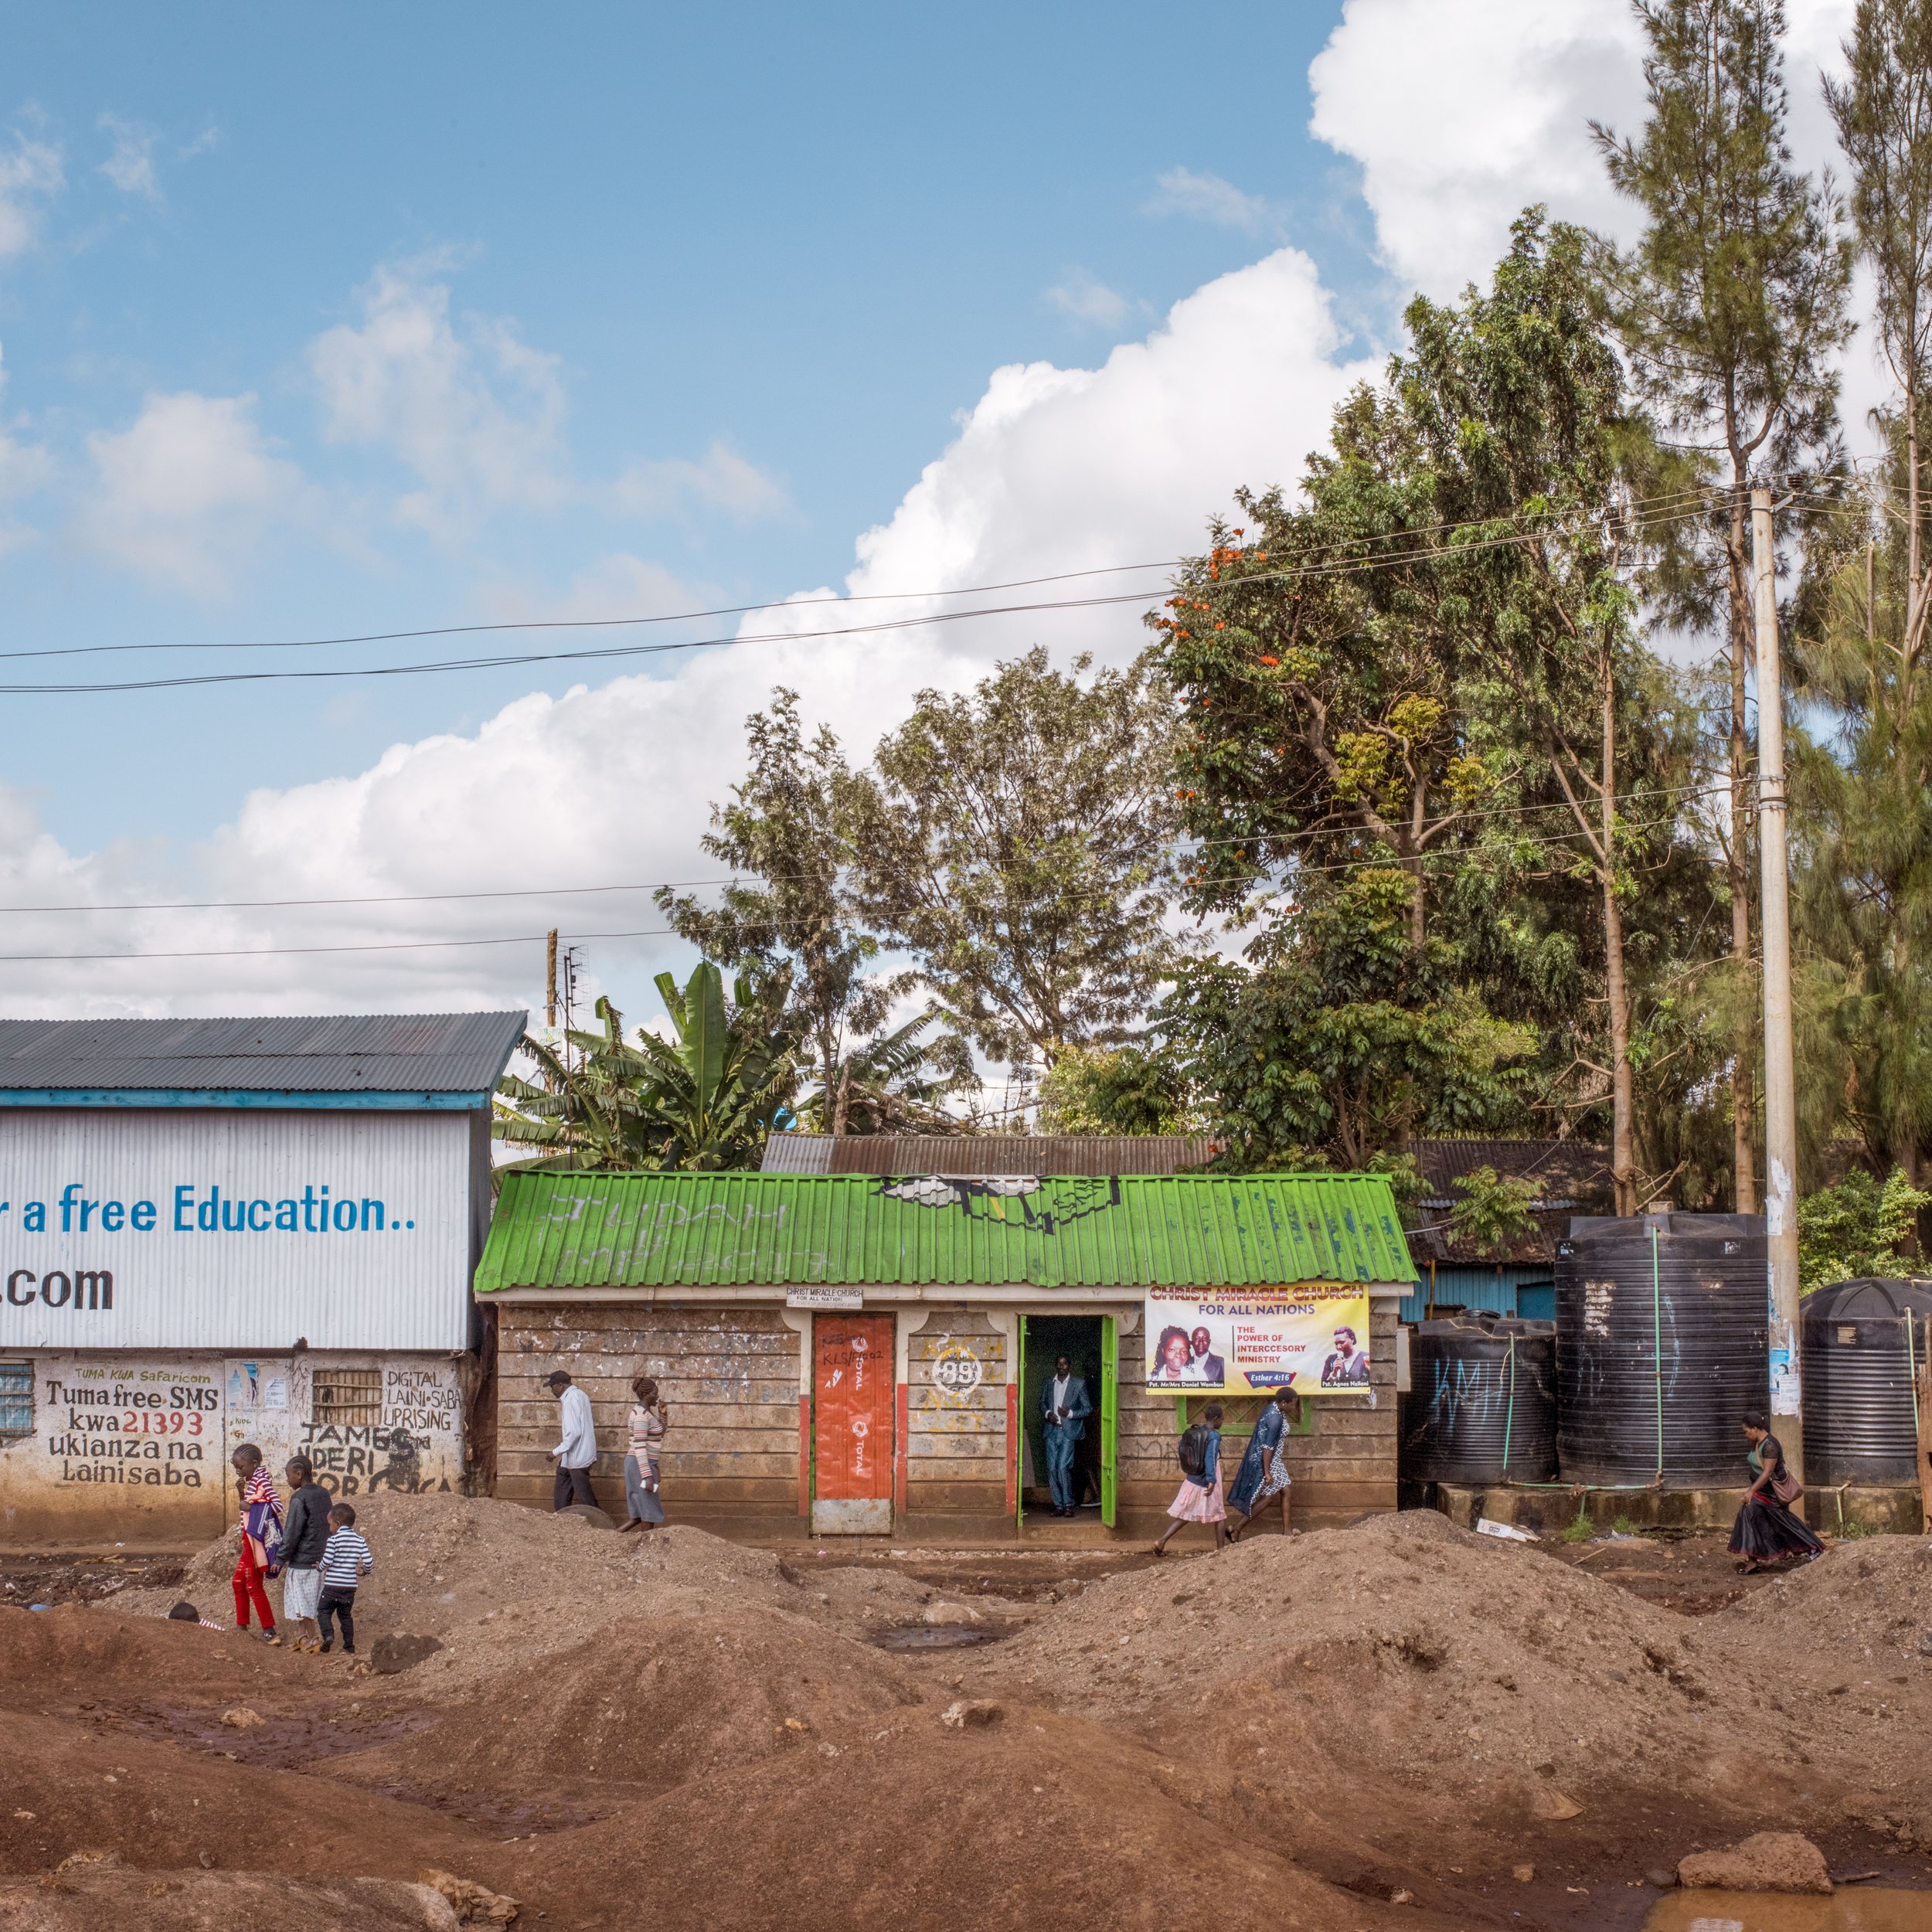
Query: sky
(324, 325)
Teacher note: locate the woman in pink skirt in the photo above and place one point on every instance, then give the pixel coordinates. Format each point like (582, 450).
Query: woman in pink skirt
(1200, 1499)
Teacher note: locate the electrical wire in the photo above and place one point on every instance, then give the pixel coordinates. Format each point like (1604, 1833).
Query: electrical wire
(1334, 567)
(277, 952)
(695, 885)
(1684, 493)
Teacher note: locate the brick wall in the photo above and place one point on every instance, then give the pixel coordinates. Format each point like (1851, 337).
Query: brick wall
(729, 1377)
(956, 1450)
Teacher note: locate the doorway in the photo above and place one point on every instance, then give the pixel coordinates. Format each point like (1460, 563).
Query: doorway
(1091, 1345)
(852, 1425)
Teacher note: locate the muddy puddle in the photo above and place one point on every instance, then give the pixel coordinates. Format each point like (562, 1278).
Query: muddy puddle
(1858, 1908)
(916, 1636)
(283, 1741)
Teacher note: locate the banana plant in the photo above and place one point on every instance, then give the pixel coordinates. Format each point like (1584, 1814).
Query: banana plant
(713, 1093)
(704, 1099)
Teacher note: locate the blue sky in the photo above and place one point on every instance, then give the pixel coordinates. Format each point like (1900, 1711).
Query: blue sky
(804, 238)
(317, 322)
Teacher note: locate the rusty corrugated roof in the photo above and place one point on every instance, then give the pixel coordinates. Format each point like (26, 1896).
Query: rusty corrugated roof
(988, 1153)
(649, 1230)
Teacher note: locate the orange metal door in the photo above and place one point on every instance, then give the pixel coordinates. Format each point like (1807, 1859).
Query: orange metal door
(852, 1424)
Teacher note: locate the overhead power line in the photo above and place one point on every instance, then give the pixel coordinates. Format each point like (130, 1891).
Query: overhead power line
(1680, 507)
(735, 879)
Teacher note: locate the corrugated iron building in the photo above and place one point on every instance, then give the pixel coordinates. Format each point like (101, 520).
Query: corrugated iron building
(217, 1230)
(1570, 1177)
(760, 1302)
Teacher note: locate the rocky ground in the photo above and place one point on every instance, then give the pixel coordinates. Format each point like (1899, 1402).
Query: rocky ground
(1398, 1724)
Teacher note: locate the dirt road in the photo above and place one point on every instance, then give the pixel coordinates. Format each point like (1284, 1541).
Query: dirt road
(1384, 1726)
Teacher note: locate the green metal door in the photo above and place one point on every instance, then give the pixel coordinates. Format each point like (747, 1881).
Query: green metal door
(1016, 1426)
(1109, 1414)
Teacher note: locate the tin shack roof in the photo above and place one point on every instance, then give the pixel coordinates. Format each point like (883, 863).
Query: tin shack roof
(987, 1153)
(80, 1062)
(721, 1230)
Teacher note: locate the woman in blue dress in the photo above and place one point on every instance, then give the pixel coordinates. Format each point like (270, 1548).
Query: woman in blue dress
(1264, 1469)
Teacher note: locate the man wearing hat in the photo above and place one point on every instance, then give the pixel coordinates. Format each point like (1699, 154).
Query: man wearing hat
(577, 1453)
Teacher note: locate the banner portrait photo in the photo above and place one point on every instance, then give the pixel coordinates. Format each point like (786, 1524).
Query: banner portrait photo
(1312, 1337)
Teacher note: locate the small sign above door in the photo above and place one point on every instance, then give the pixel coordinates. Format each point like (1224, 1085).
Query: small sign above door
(813, 1296)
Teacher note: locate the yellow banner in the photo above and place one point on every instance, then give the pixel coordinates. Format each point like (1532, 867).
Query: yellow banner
(1313, 1338)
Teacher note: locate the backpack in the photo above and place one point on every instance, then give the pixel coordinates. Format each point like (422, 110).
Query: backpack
(1193, 1449)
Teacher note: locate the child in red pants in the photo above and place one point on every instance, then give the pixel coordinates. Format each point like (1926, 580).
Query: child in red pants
(261, 1539)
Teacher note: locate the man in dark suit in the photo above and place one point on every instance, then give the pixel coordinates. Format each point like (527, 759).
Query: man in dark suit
(1210, 1367)
(1064, 1405)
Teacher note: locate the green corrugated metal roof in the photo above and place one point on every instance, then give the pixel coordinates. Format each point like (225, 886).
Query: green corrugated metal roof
(725, 1230)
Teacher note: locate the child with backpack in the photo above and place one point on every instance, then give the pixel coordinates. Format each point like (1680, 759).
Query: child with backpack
(261, 1540)
(1200, 1499)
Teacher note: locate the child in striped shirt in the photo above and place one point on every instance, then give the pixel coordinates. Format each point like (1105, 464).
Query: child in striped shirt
(346, 1562)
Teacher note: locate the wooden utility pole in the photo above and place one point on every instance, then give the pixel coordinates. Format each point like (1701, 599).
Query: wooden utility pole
(1774, 930)
(549, 980)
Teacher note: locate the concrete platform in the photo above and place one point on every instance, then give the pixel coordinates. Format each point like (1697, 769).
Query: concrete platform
(1547, 1512)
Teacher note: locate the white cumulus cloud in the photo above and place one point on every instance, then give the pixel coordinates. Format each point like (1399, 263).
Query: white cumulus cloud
(182, 494)
(473, 411)
(1462, 112)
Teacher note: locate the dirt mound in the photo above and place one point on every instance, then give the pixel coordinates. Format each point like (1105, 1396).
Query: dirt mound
(1414, 1653)
(82, 1898)
(77, 1651)
(1868, 1597)
(651, 1702)
(1037, 1819)
(446, 1565)
(78, 1786)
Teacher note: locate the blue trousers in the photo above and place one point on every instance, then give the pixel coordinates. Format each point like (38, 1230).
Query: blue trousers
(1060, 1442)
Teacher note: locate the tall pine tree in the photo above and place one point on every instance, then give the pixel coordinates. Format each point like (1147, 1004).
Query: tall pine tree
(1732, 307)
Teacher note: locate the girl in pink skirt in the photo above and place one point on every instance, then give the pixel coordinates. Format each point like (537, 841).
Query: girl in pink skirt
(1200, 1499)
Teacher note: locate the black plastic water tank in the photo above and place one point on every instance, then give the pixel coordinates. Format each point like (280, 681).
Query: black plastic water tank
(1859, 1422)
(1482, 1402)
(1661, 1324)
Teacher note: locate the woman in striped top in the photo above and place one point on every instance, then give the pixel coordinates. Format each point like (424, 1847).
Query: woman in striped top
(649, 1418)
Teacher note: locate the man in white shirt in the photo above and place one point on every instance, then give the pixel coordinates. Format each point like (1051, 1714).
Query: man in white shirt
(577, 1453)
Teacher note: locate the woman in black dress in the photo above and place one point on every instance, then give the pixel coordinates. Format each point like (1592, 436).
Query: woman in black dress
(1768, 1531)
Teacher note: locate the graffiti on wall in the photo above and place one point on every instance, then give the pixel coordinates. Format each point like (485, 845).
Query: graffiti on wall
(128, 1444)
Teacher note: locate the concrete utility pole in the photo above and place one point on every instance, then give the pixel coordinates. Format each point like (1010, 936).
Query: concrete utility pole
(1780, 1090)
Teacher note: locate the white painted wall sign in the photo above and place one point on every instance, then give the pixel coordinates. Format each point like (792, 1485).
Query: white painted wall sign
(233, 1229)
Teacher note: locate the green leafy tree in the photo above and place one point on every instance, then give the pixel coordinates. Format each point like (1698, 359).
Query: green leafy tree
(1862, 820)
(899, 1082)
(1517, 395)
(1116, 1090)
(1014, 841)
(1883, 111)
(1861, 1226)
(1341, 1038)
(789, 827)
(582, 1110)
(1494, 1212)
(1732, 307)
(1434, 664)
(705, 1099)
